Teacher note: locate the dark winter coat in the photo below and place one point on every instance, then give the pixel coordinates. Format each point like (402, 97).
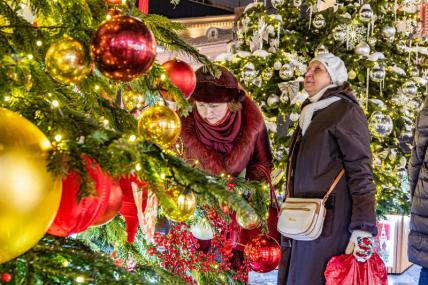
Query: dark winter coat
(418, 174)
(337, 138)
(250, 150)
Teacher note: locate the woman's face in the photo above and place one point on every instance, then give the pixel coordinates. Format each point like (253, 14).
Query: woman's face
(211, 112)
(316, 78)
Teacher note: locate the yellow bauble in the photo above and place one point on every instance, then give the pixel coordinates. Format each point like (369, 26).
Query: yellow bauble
(29, 194)
(160, 125)
(65, 61)
(181, 204)
(248, 220)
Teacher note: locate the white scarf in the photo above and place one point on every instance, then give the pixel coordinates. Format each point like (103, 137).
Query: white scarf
(315, 105)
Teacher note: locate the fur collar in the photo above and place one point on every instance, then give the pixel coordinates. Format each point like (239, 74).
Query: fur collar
(243, 148)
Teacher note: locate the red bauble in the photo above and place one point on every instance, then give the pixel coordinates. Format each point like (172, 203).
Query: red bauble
(181, 75)
(114, 204)
(123, 48)
(75, 216)
(6, 277)
(263, 253)
(129, 209)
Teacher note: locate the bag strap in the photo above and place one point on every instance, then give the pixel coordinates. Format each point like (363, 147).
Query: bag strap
(266, 173)
(333, 185)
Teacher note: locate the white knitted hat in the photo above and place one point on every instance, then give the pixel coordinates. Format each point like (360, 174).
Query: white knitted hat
(335, 67)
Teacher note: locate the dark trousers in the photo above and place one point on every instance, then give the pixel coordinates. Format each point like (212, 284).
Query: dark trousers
(423, 278)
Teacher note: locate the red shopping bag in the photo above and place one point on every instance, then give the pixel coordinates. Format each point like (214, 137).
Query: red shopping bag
(346, 270)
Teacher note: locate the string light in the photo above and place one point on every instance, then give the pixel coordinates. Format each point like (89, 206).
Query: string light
(80, 279)
(65, 263)
(132, 138)
(39, 43)
(30, 56)
(58, 137)
(163, 76)
(97, 87)
(138, 167)
(7, 98)
(162, 176)
(105, 122)
(55, 103)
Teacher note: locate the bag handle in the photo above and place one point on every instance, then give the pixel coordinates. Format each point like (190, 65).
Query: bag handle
(266, 173)
(333, 185)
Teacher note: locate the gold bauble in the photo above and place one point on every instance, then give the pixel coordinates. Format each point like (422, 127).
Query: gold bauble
(160, 125)
(133, 100)
(29, 194)
(181, 204)
(65, 61)
(248, 220)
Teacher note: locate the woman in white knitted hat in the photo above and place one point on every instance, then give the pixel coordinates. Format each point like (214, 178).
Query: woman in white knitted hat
(332, 135)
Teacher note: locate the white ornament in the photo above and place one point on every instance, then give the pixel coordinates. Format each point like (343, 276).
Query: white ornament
(339, 33)
(277, 3)
(277, 65)
(319, 21)
(249, 71)
(321, 49)
(261, 53)
(366, 13)
(286, 72)
(388, 32)
(202, 230)
(273, 100)
(294, 116)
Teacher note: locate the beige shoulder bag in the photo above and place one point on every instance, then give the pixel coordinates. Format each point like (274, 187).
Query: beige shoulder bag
(303, 218)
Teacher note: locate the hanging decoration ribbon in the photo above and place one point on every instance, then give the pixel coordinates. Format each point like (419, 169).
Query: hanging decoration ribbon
(367, 88)
(143, 6)
(311, 11)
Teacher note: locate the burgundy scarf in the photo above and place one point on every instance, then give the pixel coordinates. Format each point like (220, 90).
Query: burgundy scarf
(219, 137)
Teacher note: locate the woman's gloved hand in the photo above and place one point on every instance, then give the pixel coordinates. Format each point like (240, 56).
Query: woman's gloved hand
(360, 245)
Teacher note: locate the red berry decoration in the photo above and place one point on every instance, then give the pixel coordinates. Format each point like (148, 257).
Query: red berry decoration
(123, 48)
(181, 75)
(262, 253)
(114, 204)
(74, 215)
(6, 277)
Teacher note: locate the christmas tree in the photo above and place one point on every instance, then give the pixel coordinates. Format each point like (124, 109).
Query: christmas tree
(383, 46)
(79, 114)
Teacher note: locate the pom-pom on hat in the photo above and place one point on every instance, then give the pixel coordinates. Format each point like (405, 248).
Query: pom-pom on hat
(224, 89)
(335, 67)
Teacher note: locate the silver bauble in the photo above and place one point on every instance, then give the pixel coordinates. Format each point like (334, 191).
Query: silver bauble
(377, 73)
(380, 124)
(388, 32)
(362, 49)
(286, 72)
(401, 174)
(366, 13)
(319, 21)
(409, 88)
(414, 71)
(249, 71)
(273, 100)
(321, 49)
(277, 65)
(372, 41)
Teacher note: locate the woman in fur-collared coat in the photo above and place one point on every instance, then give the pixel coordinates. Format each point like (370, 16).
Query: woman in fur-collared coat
(225, 134)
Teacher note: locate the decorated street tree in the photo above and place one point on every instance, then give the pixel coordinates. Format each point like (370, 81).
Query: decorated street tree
(84, 135)
(382, 44)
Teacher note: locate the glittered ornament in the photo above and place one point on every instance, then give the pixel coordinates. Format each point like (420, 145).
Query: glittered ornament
(362, 49)
(273, 100)
(181, 75)
(380, 124)
(247, 220)
(286, 72)
(409, 88)
(388, 32)
(29, 193)
(257, 81)
(123, 48)
(377, 73)
(181, 204)
(263, 253)
(160, 125)
(366, 13)
(133, 100)
(321, 49)
(319, 21)
(249, 71)
(339, 33)
(372, 41)
(66, 62)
